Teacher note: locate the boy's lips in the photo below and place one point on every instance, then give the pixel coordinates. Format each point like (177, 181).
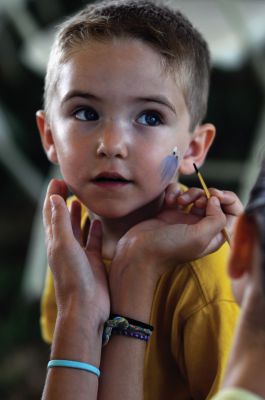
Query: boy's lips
(112, 179)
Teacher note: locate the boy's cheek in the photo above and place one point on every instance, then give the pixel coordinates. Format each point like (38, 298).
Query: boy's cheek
(186, 167)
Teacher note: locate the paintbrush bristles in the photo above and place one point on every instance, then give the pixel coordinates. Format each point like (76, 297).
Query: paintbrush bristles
(195, 167)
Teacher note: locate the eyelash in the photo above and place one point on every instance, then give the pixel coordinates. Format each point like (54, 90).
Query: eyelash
(150, 113)
(86, 110)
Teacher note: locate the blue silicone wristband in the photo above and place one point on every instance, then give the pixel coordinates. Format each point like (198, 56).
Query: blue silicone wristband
(74, 364)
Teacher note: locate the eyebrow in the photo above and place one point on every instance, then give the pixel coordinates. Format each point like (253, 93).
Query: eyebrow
(160, 100)
(78, 93)
(153, 99)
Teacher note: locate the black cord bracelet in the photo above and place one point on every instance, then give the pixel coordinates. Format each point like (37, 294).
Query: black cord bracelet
(133, 322)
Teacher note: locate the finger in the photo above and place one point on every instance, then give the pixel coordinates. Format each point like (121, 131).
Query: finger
(60, 221)
(75, 215)
(171, 193)
(229, 201)
(85, 231)
(201, 202)
(213, 223)
(94, 241)
(53, 188)
(94, 251)
(222, 218)
(199, 211)
(190, 196)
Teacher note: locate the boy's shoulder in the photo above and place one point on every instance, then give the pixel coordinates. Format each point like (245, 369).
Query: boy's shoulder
(200, 284)
(210, 274)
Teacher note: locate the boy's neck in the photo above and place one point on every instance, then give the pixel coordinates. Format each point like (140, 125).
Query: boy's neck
(115, 228)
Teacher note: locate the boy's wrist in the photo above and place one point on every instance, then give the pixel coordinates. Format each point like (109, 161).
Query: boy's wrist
(132, 291)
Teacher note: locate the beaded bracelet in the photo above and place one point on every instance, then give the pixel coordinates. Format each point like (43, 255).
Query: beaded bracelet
(135, 335)
(126, 327)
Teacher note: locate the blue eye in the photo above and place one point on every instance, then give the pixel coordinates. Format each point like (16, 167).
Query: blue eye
(86, 114)
(150, 118)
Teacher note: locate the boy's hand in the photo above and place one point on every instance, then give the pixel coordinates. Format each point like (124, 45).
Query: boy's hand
(177, 235)
(79, 273)
(230, 203)
(151, 247)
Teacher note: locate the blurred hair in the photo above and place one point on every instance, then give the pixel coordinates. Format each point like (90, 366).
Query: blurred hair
(256, 209)
(183, 50)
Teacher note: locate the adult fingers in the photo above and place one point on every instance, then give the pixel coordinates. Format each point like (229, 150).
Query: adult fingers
(54, 187)
(60, 221)
(75, 215)
(94, 241)
(85, 231)
(171, 194)
(212, 225)
(190, 196)
(229, 201)
(94, 251)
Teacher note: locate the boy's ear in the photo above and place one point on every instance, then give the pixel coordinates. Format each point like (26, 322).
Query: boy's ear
(242, 248)
(201, 140)
(46, 136)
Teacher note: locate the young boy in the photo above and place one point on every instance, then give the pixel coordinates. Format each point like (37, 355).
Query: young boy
(79, 335)
(127, 84)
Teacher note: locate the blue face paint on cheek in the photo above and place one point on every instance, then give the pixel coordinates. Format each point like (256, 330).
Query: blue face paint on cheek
(169, 166)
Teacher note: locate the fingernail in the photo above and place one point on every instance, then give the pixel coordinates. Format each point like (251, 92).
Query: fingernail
(52, 202)
(171, 197)
(185, 196)
(215, 201)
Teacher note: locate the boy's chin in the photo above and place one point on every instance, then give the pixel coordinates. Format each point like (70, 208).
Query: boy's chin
(132, 210)
(110, 215)
(108, 212)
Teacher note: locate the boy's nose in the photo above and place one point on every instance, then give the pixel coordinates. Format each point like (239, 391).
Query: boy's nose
(113, 142)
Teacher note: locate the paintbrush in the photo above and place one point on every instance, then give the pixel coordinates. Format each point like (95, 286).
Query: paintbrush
(208, 195)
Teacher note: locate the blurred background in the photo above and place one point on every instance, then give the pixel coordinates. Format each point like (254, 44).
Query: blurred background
(235, 31)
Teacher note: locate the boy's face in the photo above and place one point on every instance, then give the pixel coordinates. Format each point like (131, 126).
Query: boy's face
(116, 114)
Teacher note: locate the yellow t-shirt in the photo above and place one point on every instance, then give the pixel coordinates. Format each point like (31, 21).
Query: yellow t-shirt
(194, 315)
(236, 394)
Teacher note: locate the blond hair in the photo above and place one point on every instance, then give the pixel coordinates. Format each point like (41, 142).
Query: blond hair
(182, 48)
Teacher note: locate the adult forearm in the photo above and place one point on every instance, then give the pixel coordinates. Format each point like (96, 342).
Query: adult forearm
(78, 339)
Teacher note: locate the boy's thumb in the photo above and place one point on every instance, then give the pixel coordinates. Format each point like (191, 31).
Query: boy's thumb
(215, 213)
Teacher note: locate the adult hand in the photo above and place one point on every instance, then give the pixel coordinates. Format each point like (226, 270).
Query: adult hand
(79, 273)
